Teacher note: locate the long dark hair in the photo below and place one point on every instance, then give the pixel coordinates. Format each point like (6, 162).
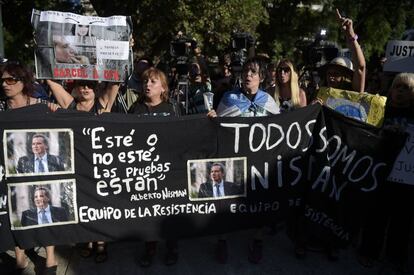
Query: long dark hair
(22, 73)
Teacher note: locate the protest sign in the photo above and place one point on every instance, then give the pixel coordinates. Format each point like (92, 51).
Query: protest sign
(152, 178)
(72, 46)
(403, 169)
(400, 56)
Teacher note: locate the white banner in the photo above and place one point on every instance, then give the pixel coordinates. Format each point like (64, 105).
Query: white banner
(72, 18)
(403, 170)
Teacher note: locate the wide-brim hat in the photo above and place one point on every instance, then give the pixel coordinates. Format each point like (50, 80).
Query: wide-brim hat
(343, 63)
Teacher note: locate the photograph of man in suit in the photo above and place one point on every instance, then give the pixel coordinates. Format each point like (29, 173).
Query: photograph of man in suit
(40, 161)
(217, 187)
(44, 213)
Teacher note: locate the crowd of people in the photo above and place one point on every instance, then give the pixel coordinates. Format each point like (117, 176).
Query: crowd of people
(266, 89)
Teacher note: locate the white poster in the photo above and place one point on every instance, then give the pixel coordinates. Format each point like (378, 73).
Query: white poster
(403, 170)
(400, 56)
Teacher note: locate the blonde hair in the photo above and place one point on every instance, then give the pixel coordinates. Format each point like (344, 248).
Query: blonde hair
(294, 83)
(404, 78)
(157, 73)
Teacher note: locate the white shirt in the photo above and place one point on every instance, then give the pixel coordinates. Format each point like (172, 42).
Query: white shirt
(47, 213)
(221, 188)
(44, 162)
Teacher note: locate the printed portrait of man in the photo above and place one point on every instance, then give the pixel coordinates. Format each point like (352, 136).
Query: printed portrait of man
(44, 212)
(39, 161)
(216, 187)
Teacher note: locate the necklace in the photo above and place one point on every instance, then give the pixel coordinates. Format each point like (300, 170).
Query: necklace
(10, 107)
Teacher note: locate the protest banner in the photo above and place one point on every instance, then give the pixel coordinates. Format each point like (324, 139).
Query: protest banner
(364, 107)
(400, 56)
(72, 46)
(152, 178)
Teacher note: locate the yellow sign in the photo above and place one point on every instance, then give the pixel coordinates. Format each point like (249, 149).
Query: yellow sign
(364, 107)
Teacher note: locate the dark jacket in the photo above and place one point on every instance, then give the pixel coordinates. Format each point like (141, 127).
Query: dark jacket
(26, 164)
(230, 189)
(29, 217)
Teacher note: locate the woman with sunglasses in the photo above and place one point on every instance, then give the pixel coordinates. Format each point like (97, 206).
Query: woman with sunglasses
(86, 98)
(287, 90)
(18, 88)
(17, 85)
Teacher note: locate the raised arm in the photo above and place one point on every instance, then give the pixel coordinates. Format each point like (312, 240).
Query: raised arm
(358, 59)
(62, 96)
(107, 99)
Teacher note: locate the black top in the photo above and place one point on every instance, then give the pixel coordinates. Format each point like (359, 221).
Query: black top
(400, 116)
(95, 108)
(162, 109)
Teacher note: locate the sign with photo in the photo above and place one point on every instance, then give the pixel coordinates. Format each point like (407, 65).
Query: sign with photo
(72, 46)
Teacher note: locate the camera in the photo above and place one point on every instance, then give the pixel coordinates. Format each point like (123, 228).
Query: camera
(240, 43)
(181, 50)
(320, 51)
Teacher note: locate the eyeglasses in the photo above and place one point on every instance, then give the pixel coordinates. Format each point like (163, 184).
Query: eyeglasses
(283, 69)
(10, 80)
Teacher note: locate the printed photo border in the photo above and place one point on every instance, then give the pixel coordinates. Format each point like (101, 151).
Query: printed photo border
(34, 183)
(7, 161)
(211, 161)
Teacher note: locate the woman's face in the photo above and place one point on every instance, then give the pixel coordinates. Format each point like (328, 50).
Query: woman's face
(153, 88)
(334, 77)
(64, 53)
(283, 73)
(251, 78)
(82, 30)
(85, 91)
(12, 86)
(401, 95)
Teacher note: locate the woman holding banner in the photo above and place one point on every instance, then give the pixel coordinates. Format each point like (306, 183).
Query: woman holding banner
(392, 218)
(156, 102)
(86, 100)
(17, 85)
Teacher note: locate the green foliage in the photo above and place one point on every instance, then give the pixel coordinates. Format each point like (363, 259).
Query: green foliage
(209, 22)
(277, 25)
(17, 28)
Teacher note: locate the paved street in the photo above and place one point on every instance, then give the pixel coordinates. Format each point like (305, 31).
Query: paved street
(196, 257)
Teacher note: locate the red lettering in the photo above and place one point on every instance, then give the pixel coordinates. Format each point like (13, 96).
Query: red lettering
(95, 74)
(111, 75)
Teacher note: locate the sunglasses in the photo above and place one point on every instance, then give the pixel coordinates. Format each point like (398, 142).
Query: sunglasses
(10, 80)
(89, 84)
(283, 69)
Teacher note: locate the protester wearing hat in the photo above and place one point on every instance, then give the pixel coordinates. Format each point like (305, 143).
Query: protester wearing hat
(341, 72)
